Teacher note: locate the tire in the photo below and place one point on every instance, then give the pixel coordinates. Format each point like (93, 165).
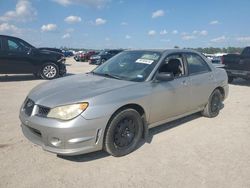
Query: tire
(123, 133)
(49, 71)
(230, 79)
(214, 105)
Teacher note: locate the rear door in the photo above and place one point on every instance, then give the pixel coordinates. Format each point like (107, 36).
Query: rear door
(17, 58)
(201, 79)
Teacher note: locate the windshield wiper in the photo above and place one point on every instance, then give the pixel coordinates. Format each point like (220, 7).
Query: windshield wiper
(107, 75)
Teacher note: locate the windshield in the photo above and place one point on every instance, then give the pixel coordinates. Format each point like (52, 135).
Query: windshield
(129, 65)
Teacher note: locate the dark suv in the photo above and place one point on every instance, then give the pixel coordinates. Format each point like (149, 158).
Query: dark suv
(19, 57)
(103, 56)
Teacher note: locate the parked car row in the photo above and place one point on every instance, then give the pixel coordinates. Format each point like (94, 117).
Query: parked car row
(103, 56)
(84, 55)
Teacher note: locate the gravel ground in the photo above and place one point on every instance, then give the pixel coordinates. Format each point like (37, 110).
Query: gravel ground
(191, 152)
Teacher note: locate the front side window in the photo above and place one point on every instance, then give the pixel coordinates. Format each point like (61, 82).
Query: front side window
(129, 65)
(196, 64)
(14, 45)
(173, 64)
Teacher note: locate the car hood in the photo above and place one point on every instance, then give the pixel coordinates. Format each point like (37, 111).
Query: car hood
(74, 89)
(49, 52)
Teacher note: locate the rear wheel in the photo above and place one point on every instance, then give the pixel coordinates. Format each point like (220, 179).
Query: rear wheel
(123, 133)
(49, 71)
(214, 104)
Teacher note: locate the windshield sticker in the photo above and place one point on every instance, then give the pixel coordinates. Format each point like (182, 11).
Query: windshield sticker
(144, 61)
(139, 76)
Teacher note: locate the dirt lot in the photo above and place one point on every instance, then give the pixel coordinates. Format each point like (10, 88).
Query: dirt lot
(191, 152)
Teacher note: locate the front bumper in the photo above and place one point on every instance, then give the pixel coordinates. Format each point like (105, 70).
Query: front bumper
(74, 137)
(62, 69)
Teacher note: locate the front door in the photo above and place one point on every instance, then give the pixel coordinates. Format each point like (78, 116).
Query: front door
(17, 59)
(171, 98)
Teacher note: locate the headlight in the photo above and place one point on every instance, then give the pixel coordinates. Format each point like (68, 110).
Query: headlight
(67, 112)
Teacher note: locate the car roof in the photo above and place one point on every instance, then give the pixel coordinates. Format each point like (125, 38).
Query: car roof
(167, 51)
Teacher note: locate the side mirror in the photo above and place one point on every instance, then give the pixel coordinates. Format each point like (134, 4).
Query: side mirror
(29, 51)
(164, 76)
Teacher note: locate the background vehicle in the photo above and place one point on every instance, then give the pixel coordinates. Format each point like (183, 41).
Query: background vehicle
(103, 56)
(19, 57)
(67, 53)
(238, 65)
(113, 106)
(78, 55)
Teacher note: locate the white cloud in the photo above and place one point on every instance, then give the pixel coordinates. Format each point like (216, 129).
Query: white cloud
(107, 39)
(214, 22)
(128, 37)
(163, 32)
(8, 28)
(243, 39)
(100, 21)
(175, 32)
(92, 3)
(124, 23)
(65, 36)
(158, 13)
(219, 39)
(188, 37)
(24, 12)
(195, 32)
(203, 33)
(73, 19)
(152, 33)
(49, 27)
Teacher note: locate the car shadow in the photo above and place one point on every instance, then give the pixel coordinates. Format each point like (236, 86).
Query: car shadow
(241, 82)
(21, 77)
(85, 157)
(16, 78)
(152, 132)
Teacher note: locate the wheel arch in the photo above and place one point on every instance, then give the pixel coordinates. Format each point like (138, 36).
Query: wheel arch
(222, 91)
(136, 107)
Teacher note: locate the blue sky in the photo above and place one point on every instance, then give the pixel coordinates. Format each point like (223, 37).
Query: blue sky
(102, 24)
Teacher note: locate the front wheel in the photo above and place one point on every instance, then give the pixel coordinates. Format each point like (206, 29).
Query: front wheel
(214, 104)
(123, 133)
(49, 71)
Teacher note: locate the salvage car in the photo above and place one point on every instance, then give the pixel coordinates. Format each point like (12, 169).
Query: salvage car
(113, 106)
(19, 57)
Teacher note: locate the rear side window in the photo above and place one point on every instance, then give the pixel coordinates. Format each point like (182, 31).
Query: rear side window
(0, 44)
(196, 64)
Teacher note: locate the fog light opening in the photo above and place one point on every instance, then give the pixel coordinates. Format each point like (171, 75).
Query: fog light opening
(55, 141)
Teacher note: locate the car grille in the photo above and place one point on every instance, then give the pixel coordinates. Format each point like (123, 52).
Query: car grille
(43, 111)
(28, 107)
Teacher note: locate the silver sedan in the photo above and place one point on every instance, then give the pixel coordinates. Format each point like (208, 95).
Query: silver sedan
(113, 106)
